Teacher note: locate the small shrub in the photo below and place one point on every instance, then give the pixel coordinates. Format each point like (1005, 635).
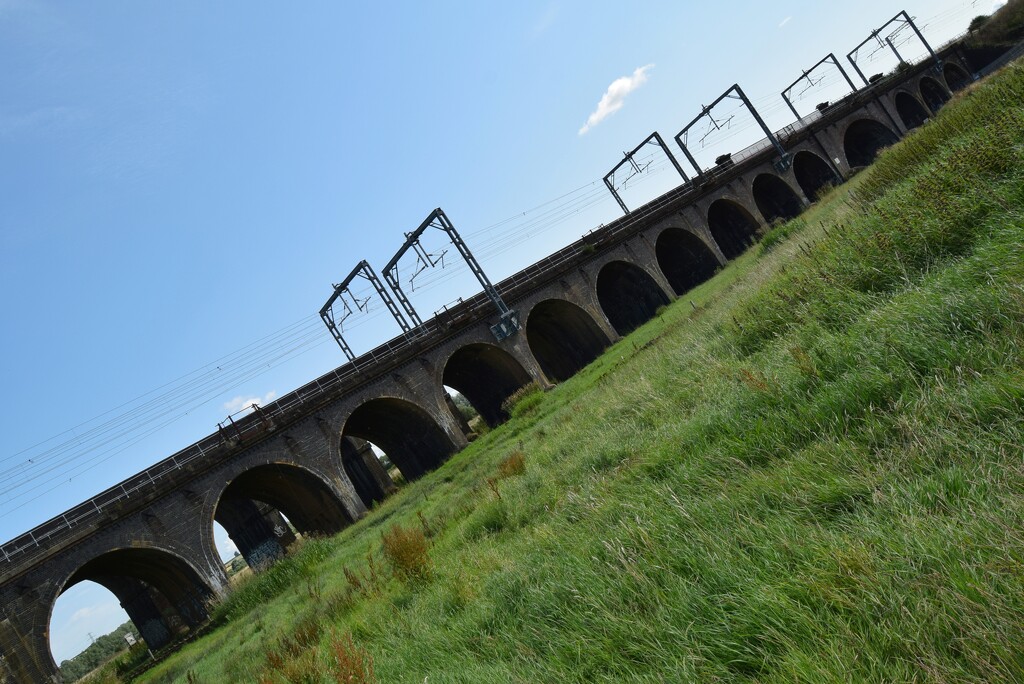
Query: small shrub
(352, 664)
(406, 550)
(512, 465)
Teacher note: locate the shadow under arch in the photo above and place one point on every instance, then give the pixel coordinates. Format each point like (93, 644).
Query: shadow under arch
(407, 434)
(250, 509)
(732, 227)
(956, 77)
(563, 338)
(864, 139)
(162, 593)
(774, 198)
(628, 295)
(684, 259)
(933, 94)
(813, 174)
(911, 112)
(486, 375)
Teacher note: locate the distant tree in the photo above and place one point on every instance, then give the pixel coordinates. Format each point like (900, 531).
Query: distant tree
(99, 652)
(465, 408)
(977, 22)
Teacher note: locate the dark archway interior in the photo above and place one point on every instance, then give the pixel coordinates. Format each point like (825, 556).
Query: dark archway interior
(163, 596)
(732, 226)
(912, 113)
(628, 295)
(304, 498)
(684, 259)
(486, 375)
(956, 77)
(404, 431)
(775, 199)
(864, 139)
(364, 470)
(563, 338)
(813, 174)
(933, 94)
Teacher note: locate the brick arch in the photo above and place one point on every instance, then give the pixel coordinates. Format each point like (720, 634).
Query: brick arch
(628, 295)
(864, 138)
(486, 375)
(251, 505)
(732, 226)
(774, 198)
(955, 76)
(409, 434)
(812, 173)
(933, 93)
(909, 109)
(563, 337)
(684, 257)
(163, 592)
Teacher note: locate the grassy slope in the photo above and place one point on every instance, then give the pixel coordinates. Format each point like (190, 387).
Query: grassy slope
(815, 475)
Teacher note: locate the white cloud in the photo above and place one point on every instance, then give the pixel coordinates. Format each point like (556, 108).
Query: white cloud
(615, 96)
(785, 21)
(541, 26)
(243, 401)
(224, 543)
(90, 613)
(41, 120)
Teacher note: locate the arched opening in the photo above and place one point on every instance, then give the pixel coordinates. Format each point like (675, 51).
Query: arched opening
(684, 259)
(161, 594)
(82, 614)
(732, 226)
(260, 506)
(912, 113)
(956, 76)
(486, 376)
(775, 199)
(933, 94)
(812, 173)
(628, 295)
(864, 139)
(563, 338)
(365, 471)
(406, 433)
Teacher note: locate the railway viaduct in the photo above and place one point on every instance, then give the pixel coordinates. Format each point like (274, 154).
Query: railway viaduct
(149, 539)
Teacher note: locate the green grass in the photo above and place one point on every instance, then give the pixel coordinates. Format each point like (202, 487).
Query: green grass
(814, 473)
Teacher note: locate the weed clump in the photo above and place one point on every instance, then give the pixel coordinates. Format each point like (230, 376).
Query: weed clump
(512, 465)
(352, 664)
(406, 549)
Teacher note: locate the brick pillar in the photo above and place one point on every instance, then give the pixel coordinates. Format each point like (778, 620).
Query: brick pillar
(260, 532)
(370, 480)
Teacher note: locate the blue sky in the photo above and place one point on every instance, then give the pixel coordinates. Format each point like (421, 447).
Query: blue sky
(181, 180)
